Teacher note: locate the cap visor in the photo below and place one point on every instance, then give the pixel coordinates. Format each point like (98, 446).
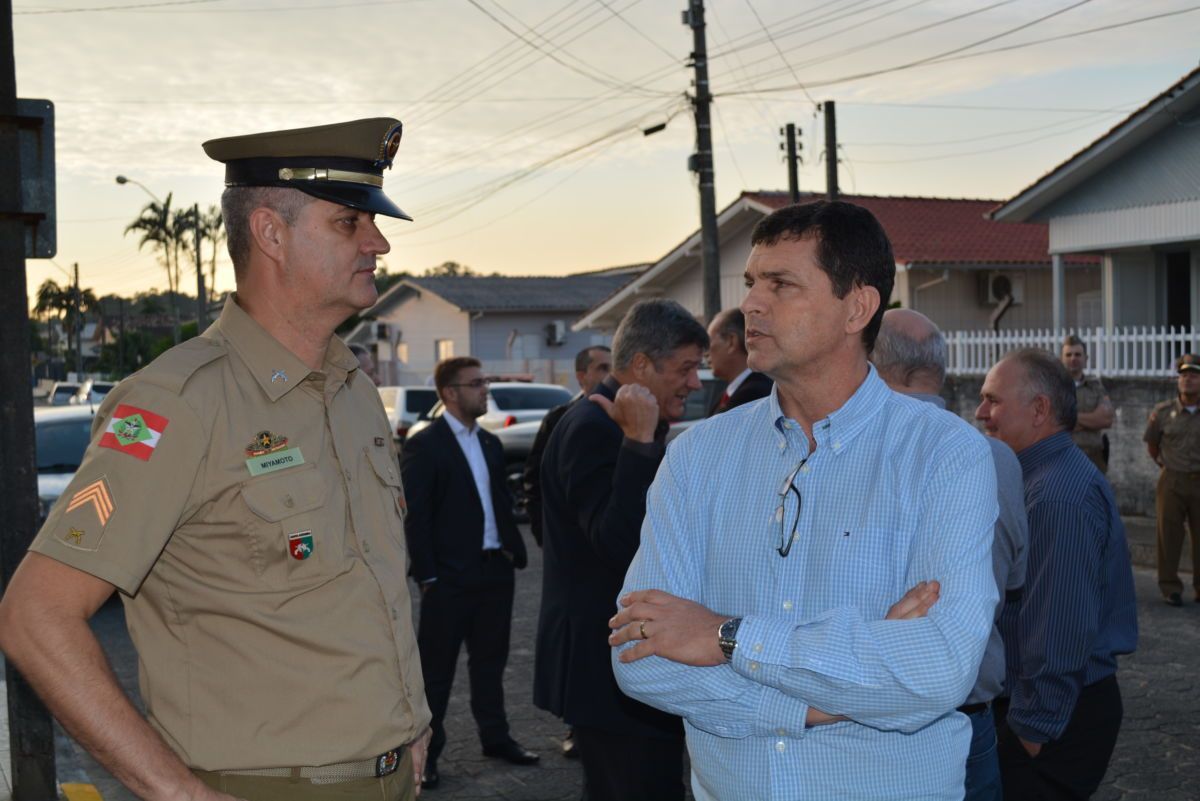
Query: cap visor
(366, 198)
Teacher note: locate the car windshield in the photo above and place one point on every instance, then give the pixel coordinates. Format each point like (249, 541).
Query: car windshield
(64, 394)
(60, 444)
(511, 399)
(419, 402)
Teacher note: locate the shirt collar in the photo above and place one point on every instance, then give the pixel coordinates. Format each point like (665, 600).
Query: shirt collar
(733, 385)
(839, 428)
(1044, 450)
(278, 370)
(457, 426)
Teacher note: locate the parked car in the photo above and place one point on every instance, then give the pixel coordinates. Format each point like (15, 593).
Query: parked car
(99, 389)
(515, 412)
(509, 403)
(62, 435)
(698, 403)
(64, 393)
(405, 406)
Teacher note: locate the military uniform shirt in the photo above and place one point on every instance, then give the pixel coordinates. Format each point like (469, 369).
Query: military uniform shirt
(251, 512)
(1176, 431)
(1088, 395)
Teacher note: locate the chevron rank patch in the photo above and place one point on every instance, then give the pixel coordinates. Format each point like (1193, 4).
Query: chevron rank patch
(86, 516)
(134, 431)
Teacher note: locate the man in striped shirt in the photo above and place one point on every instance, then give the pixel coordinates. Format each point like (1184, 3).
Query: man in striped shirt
(1059, 724)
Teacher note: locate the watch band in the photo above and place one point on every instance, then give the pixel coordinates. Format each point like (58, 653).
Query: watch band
(727, 636)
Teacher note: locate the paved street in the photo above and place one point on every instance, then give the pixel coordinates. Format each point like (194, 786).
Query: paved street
(1157, 758)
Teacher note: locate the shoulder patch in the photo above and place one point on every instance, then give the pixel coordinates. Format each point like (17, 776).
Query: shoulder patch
(173, 369)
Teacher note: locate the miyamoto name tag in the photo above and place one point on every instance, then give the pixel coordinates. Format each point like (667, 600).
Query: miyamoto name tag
(279, 460)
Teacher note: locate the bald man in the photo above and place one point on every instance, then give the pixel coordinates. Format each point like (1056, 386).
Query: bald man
(910, 355)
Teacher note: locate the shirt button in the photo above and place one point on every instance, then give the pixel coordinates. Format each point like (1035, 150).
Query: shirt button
(347, 474)
(753, 666)
(781, 746)
(781, 732)
(787, 605)
(783, 446)
(803, 468)
(837, 445)
(758, 647)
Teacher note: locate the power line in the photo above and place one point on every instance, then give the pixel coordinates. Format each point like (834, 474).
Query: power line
(929, 59)
(779, 52)
(674, 58)
(1108, 112)
(88, 9)
(825, 58)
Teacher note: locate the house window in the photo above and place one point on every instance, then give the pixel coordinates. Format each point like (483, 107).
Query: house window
(443, 349)
(1089, 309)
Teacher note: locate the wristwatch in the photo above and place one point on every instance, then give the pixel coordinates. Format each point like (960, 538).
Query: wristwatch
(727, 636)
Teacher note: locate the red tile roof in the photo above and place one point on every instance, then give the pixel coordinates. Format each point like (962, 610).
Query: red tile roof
(930, 230)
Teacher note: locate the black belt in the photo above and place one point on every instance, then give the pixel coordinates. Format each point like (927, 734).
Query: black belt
(492, 554)
(973, 709)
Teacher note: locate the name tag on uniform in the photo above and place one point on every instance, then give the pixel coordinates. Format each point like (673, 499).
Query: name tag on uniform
(279, 460)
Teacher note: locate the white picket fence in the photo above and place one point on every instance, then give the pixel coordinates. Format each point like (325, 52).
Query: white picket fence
(1131, 351)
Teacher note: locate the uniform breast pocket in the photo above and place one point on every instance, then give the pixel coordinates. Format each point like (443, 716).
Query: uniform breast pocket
(392, 490)
(295, 538)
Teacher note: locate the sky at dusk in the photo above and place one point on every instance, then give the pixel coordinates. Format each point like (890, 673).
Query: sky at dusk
(523, 150)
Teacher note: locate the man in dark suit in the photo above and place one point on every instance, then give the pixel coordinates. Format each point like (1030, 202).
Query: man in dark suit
(727, 355)
(592, 365)
(596, 470)
(464, 544)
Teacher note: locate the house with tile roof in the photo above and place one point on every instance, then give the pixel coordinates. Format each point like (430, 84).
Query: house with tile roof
(517, 326)
(1132, 196)
(952, 264)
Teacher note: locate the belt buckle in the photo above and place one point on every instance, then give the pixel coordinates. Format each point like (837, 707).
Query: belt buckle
(387, 764)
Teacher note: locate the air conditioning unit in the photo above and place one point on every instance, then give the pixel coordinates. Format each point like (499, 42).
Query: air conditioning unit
(995, 286)
(556, 333)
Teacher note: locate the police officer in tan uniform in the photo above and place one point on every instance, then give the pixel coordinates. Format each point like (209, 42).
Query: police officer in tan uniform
(243, 495)
(1091, 399)
(1173, 440)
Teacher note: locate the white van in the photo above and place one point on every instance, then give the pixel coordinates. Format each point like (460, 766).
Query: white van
(405, 406)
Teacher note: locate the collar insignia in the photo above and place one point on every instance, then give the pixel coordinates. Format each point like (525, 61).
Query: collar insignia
(277, 376)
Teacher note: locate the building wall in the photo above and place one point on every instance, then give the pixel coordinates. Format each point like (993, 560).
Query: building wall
(421, 319)
(1130, 471)
(1162, 170)
(1134, 295)
(529, 353)
(954, 304)
(688, 287)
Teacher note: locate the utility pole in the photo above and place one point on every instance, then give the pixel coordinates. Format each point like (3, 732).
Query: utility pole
(201, 298)
(793, 159)
(77, 302)
(701, 162)
(831, 158)
(31, 735)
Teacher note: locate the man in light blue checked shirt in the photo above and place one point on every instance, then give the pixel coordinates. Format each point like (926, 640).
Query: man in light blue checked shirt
(780, 535)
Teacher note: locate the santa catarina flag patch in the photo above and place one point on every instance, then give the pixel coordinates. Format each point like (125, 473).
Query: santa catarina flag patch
(134, 431)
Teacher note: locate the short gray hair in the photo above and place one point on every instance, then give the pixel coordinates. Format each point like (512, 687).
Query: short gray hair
(899, 357)
(656, 328)
(1045, 375)
(239, 202)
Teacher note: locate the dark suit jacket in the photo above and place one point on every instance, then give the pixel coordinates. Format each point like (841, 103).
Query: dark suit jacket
(444, 526)
(594, 498)
(531, 477)
(754, 387)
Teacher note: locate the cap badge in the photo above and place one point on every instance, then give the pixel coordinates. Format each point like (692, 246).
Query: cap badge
(265, 442)
(389, 145)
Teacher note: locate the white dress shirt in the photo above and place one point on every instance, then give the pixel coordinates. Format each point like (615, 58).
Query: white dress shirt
(733, 385)
(468, 440)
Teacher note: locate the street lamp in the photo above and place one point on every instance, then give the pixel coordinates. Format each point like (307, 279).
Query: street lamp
(121, 179)
(201, 304)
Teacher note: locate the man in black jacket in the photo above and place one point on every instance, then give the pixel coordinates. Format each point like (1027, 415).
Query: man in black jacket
(464, 544)
(596, 470)
(728, 356)
(592, 365)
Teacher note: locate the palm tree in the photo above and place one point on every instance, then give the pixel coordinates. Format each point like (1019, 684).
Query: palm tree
(212, 228)
(52, 299)
(158, 225)
(70, 305)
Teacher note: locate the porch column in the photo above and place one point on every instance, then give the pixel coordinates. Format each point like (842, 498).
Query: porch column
(1058, 291)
